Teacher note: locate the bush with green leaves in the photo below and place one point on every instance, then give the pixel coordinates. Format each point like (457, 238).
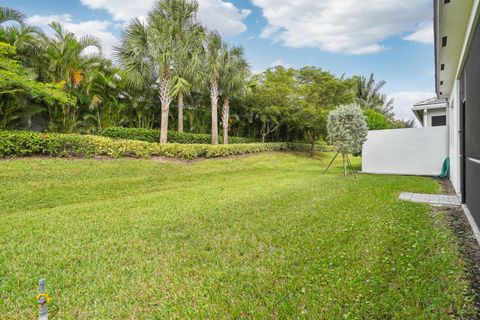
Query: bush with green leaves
(24, 143)
(152, 135)
(376, 120)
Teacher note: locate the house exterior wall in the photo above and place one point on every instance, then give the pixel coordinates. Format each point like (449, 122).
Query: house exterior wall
(464, 131)
(453, 120)
(433, 113)
(471, 76)
(416, 151)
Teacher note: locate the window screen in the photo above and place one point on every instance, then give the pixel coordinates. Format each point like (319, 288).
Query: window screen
(438, 121)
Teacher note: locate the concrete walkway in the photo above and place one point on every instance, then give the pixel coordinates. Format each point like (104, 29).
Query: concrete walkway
(436, 199)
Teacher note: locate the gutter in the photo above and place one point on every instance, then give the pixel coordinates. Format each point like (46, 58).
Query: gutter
(436, 16)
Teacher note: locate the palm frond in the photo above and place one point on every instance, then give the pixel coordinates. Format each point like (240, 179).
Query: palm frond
(9, 14)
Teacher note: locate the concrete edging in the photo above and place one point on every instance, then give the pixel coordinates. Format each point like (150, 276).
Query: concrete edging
(473, 224)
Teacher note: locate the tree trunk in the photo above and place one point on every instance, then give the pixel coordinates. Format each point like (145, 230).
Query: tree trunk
(312, 148)
(99, 122)
(165, 100)
(263, 131)
(180, 111)
(225, 118)
(214, 100)
(344, 165)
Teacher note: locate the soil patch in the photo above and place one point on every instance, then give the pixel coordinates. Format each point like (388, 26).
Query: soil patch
(447, 187)
(468, 247)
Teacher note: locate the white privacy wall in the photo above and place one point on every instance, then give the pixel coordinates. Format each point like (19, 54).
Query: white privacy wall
(416, 151)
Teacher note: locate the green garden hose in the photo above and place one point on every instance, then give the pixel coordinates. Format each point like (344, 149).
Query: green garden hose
(445, 169)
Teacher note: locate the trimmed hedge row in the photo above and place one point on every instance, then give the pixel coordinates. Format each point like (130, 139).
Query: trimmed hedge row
(305, 147)
(152, 135)
(23, 143)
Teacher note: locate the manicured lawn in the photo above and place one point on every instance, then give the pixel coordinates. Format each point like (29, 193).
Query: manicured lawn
(260, 237)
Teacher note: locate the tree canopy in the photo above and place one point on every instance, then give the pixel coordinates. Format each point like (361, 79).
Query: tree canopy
(17, 80)
(169, 62)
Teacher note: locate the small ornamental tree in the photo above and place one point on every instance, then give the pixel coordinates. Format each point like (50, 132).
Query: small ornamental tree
(347, 131)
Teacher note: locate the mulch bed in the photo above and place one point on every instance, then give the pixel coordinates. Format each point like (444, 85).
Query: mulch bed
(467, 243)
(447, 187)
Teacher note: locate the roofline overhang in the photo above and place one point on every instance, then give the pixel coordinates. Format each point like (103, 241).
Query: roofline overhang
(430, 106)
(459, 35)
(417, 115)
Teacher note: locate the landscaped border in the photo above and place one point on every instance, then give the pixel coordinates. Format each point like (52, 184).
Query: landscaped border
(25, 143)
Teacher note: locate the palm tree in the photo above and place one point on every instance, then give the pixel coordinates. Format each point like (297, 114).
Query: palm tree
(154, 51)
(68, 64)
(215, 56)
(102, 89)
(181, 88)
(68, 59)
(232, 82)
(189, 69)
(368, 95)
(8, 14)
(29, 42)
(22, 37)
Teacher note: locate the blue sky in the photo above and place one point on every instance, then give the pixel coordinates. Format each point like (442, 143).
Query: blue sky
(390, 38)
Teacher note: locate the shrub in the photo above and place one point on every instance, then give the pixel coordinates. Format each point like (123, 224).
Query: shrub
(376, 120)
(22, 143)
(347, 129)
(152, 135)
(307, 147)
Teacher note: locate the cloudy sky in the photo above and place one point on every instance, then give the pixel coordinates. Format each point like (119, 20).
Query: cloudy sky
(391, 38)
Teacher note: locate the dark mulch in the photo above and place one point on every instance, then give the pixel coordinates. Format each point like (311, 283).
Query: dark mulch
(447, 187)
(468, 246)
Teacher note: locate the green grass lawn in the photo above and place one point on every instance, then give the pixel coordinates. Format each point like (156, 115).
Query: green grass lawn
(261, 237)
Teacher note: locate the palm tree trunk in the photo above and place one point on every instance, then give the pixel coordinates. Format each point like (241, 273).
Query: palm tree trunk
(225, 118)
(214, 100)
(165, 100)
(312, 145)
(180, 111)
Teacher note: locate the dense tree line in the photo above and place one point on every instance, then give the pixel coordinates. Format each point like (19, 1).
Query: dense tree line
(169, 72)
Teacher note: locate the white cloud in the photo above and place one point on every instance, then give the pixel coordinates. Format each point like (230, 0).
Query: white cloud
(215, 14)
(97, 28)
(345, 26)
(222, 16)
(424, 34)
(404, 101)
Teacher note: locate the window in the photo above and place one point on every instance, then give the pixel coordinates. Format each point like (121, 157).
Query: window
(438, 121)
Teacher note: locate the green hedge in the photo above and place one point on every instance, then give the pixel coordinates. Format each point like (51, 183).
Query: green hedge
(23, 143)
(152, 135)
(305, 147)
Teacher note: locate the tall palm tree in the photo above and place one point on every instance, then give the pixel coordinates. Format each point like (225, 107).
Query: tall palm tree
(181, 87)
(232, 82)
(154, 51)
(189, 70)
(8, 14)
(215, 56)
